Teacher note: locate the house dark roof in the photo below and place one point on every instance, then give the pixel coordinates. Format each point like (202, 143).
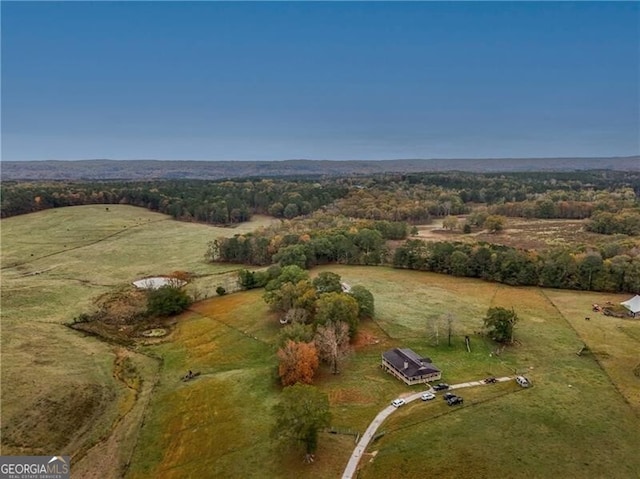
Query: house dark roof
(415, 365)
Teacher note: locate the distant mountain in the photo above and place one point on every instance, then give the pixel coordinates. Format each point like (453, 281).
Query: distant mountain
(156, 169)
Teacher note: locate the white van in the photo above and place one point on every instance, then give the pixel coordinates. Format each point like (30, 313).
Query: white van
(522, 381)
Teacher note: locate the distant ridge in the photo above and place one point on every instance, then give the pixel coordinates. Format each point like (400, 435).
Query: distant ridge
(172, 169)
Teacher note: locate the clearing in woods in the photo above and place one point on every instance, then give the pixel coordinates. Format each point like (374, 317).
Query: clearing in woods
(522, 233)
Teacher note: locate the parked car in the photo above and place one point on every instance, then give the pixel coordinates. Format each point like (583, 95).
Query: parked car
(490, 380)
(397, 402)
(428, 396)
(441, 387)
(448, 396)
(522, 381)
(455, 400)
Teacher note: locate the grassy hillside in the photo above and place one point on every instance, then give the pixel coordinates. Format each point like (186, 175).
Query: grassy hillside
(57, 383)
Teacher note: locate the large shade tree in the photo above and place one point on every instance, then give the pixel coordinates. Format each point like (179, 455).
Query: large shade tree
(328, 282)
(337, 307)
(300, 415)
(301, 295)
(297, 332)
(495, 223)
(287, 274)
(365, 301)
(298, 363)
(499, 324)
(166, 301)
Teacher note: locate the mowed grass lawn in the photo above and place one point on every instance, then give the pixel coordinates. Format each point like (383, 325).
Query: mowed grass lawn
(572, 423)
(55, 263)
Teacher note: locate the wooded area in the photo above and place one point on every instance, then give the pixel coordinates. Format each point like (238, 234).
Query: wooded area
(370, 220)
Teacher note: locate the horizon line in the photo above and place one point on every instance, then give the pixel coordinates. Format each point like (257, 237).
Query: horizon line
(489, 158)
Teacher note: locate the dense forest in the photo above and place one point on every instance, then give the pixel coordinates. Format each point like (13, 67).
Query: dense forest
(414, 197)
(371, 220)
(215, 202)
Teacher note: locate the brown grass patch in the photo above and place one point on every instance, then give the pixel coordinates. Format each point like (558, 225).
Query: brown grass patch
(326, 464)
(365, 338)
(348, 396)
(221, 307)
(121, 307)
(124, 370)
(521, 233)
(56, 420)
(544, 234)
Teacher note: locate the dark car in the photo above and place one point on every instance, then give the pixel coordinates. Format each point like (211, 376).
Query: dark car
(441, 387)
(490, 380)
(448, 396)
(455, 400)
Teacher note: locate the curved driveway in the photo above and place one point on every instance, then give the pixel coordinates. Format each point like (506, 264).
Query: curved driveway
(366, 438)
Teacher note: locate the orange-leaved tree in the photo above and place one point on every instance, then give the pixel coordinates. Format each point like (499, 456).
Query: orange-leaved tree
(298, 363)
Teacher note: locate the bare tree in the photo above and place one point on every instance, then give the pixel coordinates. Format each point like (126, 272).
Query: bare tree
(449, 321)
(332, 343)
(443, 324)
(433, 331)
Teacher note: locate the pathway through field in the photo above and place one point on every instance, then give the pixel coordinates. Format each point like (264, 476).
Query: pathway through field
(366, 438)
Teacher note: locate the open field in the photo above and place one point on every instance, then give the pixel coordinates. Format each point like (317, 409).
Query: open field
(572, 422)
(64, 391)
(524, 233)
(59, 392)
(557, 428)
(613, 342)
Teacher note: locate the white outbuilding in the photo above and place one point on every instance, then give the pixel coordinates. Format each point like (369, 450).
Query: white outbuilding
(158, 282)
(633, 305)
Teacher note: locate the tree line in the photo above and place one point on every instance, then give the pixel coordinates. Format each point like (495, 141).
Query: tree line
(320, 239)
(412, 198)
(216, 202)
(498, 188)
(324, 239)
(625, 222)
(614, 267)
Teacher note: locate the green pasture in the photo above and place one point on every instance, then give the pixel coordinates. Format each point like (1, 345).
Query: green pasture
(613, 342)
(573, 421)
(48, 277)
(55, 264)
(581, 418)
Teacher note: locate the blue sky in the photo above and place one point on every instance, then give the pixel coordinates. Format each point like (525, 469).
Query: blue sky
(325, 80)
